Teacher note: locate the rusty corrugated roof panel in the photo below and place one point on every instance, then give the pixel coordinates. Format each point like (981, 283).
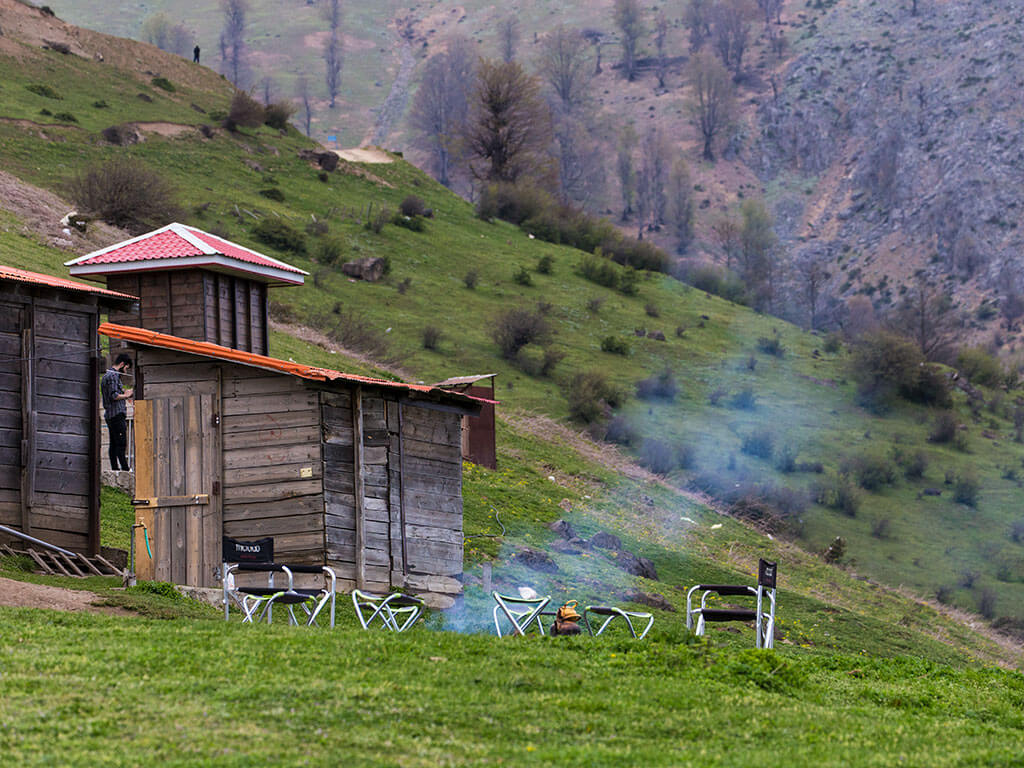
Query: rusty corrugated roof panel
(458, 381)
(37, 278)
(313, 373)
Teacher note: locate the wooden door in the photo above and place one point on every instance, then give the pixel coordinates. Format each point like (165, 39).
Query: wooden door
(177, 483)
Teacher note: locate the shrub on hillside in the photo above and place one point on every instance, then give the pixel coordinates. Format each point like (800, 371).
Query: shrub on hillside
(771, 345)
(244, 112)
(913, 463)
(278, 114)
(886, 366)
(600, 270)
(515, 328)
(1017, 531)
(744, 400)
(431, 337)
(412, 223)
(329, 251)
(785, 460)
(412, 205)
(591, 398)
(657, 456)
(545, 265)
(280, 235)
(759, 443)
(614, 345)
(966, 488)
(273, 193)
(713, 279)
(46, 91)
(375, 220)
(660, 386)
(126, 193)
(872, 471)
(944, 428)
(621, 431)
(535, 360)
(838, 491)
(521, 276)
(980, 367)
(164, 84)
(470, 279)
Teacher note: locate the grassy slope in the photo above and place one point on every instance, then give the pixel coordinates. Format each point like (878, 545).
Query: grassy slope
(802, 398)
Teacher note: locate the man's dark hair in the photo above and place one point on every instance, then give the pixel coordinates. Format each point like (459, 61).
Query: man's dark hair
(123, 359)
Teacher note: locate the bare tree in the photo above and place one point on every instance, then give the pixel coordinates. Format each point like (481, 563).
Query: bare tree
(811, 276)
(509, 127)
(757, 247)
(267, 87)
(773, 8)
(629, 21)
(333, 11)
(438, 113)
(333, 58)
(508, 38)
(680, 203)
(580, 163)
(302, 92)
(727, 232)
(661, 48)
(929, 317)
(712, 101)
(563, 64)
(652, 180)
(697, 18)
(160, 31)
(730, 31)
(233, 53)
(625, 168)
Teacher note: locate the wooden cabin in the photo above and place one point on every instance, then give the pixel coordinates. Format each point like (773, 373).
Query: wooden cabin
(50, 367)
(362, 474)
(192, 284)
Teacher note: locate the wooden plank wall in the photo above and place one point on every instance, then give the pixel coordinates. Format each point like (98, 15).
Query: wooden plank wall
(10, 414)
(63, 340)
(197, 304)
(427, 529)
(273, 469)
(432, 493)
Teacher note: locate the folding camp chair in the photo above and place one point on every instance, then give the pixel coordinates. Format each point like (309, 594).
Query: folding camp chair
(763, 615)
(257, 601)
(612, 613)
(520, 611)
(396, 611)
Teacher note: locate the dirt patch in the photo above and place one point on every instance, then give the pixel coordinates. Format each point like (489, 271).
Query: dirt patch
(364, 155)
(22, 594)
(170, 130)
(40, 213)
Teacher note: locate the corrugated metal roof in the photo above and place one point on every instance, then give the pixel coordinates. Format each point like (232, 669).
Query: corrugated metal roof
(37, 278)
(169, 246)
(313, 373)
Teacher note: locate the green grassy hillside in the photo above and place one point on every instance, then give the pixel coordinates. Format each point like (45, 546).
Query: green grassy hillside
(802, 399)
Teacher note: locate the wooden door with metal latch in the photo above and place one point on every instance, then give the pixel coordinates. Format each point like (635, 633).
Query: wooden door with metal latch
(177, 474)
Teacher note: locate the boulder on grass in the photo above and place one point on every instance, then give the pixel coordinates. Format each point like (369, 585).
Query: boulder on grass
(370, 269)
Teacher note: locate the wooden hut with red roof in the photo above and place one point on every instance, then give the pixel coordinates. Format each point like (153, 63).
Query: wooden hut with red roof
(361, 474)
(192, 284)
(49, 406)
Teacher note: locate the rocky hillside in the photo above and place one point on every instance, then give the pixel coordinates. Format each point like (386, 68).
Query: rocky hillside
(894, 144)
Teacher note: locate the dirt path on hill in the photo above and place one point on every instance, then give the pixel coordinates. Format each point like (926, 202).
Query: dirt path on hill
(22, 594)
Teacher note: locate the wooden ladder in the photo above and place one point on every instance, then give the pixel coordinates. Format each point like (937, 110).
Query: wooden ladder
(58, 564)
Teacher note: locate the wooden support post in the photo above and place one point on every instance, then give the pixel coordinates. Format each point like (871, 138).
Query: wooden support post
(28, 424)
(357, 464)
(401, 491)
(95, 440)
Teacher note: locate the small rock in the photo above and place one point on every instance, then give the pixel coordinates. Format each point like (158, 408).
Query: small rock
(605, 540)
(563, 529)
(535, 560)
(653, 600)
(932, 492)
(370, 268)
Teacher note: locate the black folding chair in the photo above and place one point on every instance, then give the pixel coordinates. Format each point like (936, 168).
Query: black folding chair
(257, 600)
(763, 615)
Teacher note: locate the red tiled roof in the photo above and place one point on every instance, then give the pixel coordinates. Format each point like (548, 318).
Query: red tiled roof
(206, 349)
(179, 241)
(36, 278)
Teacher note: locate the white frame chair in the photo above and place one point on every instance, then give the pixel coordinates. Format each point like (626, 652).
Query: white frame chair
(763, 618)
(612, 612)
(397, 612)
(520, 611)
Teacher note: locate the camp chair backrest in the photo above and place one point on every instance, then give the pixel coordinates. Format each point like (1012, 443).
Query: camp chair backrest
(766, 574)
(258, 551)
(763, 614)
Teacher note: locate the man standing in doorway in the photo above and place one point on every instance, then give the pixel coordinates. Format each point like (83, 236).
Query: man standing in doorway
(115, 411)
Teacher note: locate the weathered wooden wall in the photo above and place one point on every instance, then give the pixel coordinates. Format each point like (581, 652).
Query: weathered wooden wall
(403, 513)
(197, 304)
(273, 472)
(49, 436)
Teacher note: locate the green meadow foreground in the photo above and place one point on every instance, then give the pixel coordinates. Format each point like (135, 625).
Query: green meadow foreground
(80, 689)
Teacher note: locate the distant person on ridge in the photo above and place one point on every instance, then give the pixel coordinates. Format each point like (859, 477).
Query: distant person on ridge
(195, 54)
(115, 411)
